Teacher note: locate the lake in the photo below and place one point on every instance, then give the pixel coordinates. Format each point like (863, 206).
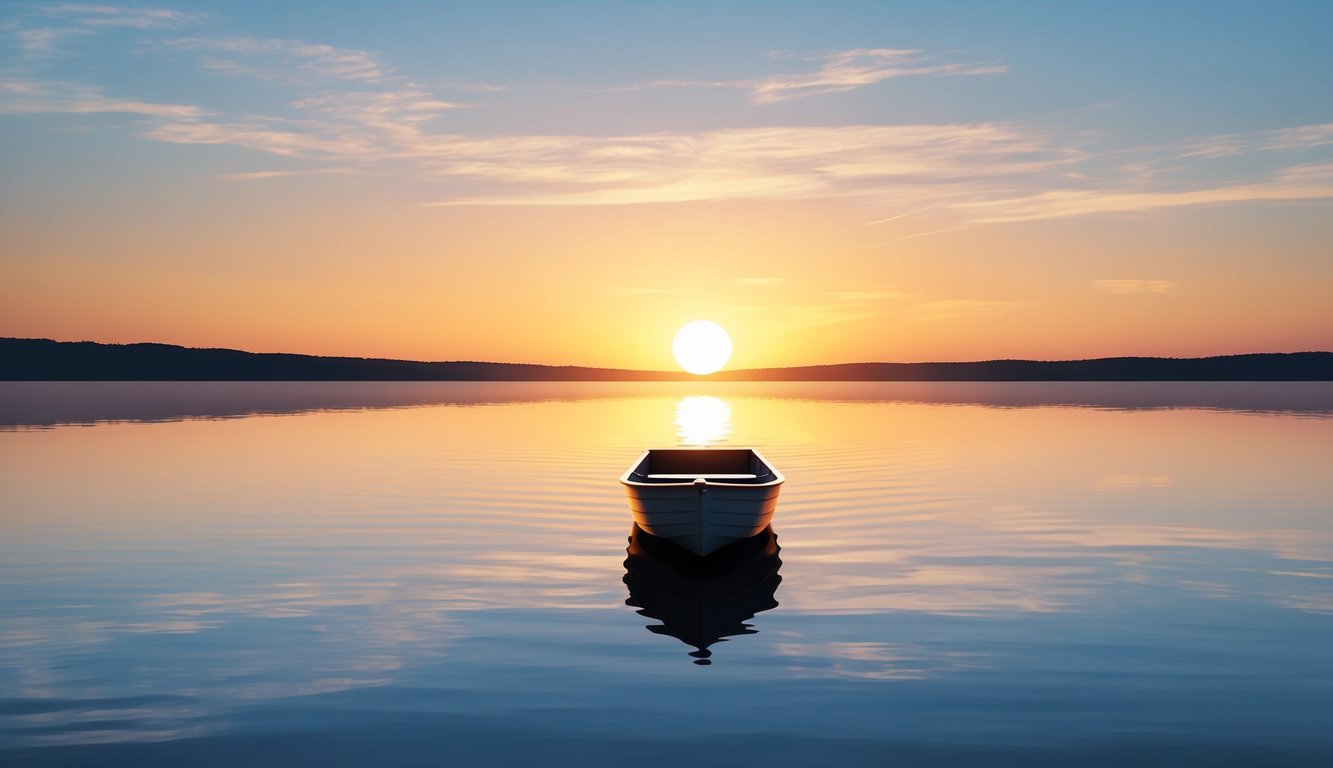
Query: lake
(350, 574)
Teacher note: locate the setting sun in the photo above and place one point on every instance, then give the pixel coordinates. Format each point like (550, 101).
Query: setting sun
(701, 347)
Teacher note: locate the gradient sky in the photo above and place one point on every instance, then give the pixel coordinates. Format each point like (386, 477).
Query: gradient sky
(572, 183)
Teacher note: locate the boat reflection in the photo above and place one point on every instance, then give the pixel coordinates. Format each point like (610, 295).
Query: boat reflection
(702, 600)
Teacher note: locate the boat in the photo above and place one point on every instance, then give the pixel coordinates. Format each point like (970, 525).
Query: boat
(702, 600)
(702, 499)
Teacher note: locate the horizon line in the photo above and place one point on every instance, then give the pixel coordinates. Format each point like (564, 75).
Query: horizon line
(663, 371)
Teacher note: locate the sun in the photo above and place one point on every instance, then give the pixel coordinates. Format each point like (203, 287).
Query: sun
(701, 347)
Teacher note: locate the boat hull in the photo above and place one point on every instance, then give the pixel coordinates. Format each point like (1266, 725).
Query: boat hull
(703, 515)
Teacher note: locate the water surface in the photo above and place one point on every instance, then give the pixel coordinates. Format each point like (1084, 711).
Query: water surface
(382, 573)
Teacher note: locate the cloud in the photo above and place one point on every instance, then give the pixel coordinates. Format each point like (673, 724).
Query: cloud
(1223, 145)
(262, 137)
(895, 217)
(116, 16)
(280, 59)
(28, 97)
(1305, 182)
(262, 175)
(41, 30)
(466, 86)
(838, 72)
(841, 71)
(1134, 286)
(955, 175)
(759, 281)
(1187, 173)
(349, 109)
(45, 41)
(891, 164)
(963, 174)
(398, 114)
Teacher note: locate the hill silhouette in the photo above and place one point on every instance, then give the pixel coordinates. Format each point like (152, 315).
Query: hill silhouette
(47, 360)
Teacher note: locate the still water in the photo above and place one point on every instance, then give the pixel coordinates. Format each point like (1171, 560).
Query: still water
(443, 574)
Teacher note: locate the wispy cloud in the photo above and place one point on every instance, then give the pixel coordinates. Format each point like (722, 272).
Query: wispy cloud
(467, 86)
(1223, 145)
(399, 113)
(262, 175)
(841, 71)
(1134, 286)
(897, 216)
(1302, 182)
(262, 136)
(281, 59)
(836, 72)
(42, 30)
(26, 97)
(966, 174)
(889, 163)
(45, 41)
(347, 108)
(89, 15)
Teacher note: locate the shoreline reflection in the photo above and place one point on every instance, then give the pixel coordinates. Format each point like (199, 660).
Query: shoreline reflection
(27, 404)
(702, 600)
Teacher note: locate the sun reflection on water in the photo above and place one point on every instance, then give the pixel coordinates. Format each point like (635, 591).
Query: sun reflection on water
(702, 420)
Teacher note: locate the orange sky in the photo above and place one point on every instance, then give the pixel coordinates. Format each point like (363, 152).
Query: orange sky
(824, 200)
(790, 282)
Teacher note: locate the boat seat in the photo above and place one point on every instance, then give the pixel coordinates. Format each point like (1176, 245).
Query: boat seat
(702, 476)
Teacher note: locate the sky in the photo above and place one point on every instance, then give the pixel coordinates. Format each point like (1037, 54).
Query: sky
(569, 183)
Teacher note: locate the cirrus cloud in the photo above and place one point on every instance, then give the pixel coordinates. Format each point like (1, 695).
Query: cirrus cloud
(282, 59)
(32, 97)
(838, 72)
(349, 109)
(91, 15)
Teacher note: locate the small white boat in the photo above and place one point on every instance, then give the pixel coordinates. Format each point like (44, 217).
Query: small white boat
(702, 498)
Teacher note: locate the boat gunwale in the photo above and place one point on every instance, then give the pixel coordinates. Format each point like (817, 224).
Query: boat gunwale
(778, 477)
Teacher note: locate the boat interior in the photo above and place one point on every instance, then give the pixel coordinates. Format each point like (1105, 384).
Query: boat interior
(683, 465)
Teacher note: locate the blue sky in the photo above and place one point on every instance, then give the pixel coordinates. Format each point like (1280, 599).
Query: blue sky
(1098, 77)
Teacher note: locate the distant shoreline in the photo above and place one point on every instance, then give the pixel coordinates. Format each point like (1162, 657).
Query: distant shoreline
(47, 360)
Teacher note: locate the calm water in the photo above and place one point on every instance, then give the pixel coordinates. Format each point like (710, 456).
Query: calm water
(437, 574)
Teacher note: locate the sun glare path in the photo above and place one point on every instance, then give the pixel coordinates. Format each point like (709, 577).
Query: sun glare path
(702, 420)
